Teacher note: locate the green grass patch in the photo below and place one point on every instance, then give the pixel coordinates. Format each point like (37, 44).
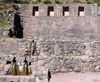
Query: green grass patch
(95, 80)
(82, 72)
(5, 36)
(34, 2)
(3, 23)
(26, 2)
(96, 71)
(47, 2)
(3, 20)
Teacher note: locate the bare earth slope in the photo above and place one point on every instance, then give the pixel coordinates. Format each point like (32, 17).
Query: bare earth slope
(76, 77)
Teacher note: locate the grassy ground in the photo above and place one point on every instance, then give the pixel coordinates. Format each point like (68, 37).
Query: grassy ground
(3, 18)
(63, 1)
(56, 1)
(3, 23)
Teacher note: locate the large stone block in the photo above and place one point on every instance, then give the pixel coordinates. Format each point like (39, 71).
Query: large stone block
(27, 79)
(77, 68)
(63, 69)
(2, 78)
(6, 67)
(12, 78)
(22, 79)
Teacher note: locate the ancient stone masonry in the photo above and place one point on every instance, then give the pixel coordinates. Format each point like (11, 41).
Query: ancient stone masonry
(55, 64)
(18, 47)
(38, 75)
(68, 48)
(57, 56)
(65, 39)
(10, 46)
(79, 21)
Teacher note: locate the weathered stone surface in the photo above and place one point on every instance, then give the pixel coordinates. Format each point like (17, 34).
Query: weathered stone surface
(77, 68)
(48, 66)
(2, 78)
(20, 59)
(4, 62)
(38, 79)
(40, 57)
(6, 67)
(94, 59)
(3, 73)
(38, 73)
(12, 78)
(63, 69)
(44, 77)
(27, 79)
(45, 72)
(45, 80)
(67, 62)
(91, 68)
(1, 67)
(85, 64)
(22, 79)
(35, 58)
(5, 33)
(85, 69)
(32, 79)
(41, 62)
(97, 68)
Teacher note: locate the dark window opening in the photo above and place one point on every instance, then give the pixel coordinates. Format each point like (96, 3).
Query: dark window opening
(65, 11)
(29, 63)
(8, 62)
(50, 11)
(81, 11)
(35, 11)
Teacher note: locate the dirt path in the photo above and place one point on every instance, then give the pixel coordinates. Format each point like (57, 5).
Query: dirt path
(76, 77)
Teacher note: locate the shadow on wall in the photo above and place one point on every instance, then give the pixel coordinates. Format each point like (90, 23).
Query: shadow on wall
(17, 29)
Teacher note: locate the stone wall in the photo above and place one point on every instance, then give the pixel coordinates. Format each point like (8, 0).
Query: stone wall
(49, 48)
(68, 48)
(18, 47)
(17, 79)
(41, 78)
(68, 64)
(58, 64)
(62, 28)
(40, 75)
(89, 9)
(11, 46)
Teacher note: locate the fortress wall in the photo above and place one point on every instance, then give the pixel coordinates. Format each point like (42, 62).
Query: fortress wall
(68, 48)
(56, 64)
(61, 28)
(59, 64)
(89, 9)
(10, 46)
(17, 47)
